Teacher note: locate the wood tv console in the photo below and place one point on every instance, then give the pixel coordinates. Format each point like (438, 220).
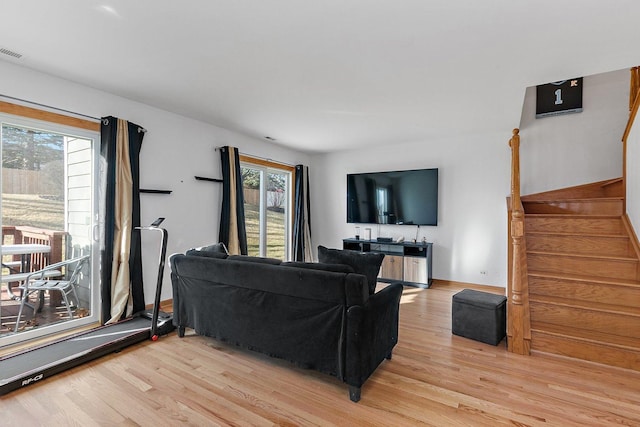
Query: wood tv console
(406, 262)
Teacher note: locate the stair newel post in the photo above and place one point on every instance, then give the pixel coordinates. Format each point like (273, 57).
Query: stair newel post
(518, 324)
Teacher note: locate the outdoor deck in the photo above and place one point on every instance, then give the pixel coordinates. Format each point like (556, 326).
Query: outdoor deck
(49, 314)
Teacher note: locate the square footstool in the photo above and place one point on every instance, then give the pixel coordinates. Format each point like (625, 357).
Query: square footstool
(481, 316)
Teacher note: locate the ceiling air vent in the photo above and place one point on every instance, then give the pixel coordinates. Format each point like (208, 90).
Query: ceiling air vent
(10, 53)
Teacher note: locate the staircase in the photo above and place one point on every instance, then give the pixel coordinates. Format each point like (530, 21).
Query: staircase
(583, 275)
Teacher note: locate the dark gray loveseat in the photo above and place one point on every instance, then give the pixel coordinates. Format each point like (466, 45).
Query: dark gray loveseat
(318, 316)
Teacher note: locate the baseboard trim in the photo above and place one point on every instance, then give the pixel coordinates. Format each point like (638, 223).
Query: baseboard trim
(451, 283)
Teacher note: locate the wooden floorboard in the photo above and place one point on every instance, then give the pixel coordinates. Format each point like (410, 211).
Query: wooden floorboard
(434, 378)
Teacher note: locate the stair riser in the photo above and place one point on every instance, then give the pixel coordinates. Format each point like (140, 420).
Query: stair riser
(599, 353)
(613, 269)
(591, 320)
(587, 207)
(586, 245)
(574, 225)
(627, 296)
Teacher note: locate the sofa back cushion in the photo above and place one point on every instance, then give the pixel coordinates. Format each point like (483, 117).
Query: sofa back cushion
(344, 289)
(217, 250)
(198, 252)
(216, 247)
(336, 268)
(366, 263)
(256, 259)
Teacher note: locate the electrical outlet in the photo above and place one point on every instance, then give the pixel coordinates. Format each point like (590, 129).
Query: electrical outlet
(483, 272)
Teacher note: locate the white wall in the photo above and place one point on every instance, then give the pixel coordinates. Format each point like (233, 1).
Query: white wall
(574, 149)
(473, 185)
(174, 149)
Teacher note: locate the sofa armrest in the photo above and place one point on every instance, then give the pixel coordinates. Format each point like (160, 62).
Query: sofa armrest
(372, 332)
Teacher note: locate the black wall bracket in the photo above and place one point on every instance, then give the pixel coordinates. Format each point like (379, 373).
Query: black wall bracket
(202, 178)
(147, 191)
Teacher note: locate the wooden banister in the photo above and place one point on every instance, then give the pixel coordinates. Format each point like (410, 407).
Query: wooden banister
(518, 318)
(634, 86)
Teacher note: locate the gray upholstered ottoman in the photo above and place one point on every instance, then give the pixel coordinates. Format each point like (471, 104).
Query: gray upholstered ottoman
(479, 315)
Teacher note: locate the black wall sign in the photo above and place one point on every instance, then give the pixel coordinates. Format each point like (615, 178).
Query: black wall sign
(559, 98)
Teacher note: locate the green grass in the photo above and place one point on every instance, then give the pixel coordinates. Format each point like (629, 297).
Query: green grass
(31, 210)
(275, 232)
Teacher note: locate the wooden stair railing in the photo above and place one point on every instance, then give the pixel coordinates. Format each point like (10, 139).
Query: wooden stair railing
(634, 86)
(518, 317)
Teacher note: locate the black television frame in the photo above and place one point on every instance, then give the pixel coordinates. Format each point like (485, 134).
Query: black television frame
(416, 189)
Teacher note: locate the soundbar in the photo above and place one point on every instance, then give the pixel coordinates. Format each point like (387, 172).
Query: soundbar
(384, 239)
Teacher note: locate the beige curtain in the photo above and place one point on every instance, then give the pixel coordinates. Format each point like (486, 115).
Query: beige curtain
(234, 240)
(120, 275)
(232, 222)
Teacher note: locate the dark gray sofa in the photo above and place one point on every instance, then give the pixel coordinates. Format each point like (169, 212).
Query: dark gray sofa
(317, 317)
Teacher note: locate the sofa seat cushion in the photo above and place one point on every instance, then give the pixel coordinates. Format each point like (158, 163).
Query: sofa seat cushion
(365, 263)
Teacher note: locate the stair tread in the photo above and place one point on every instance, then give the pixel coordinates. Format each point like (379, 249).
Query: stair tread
(576, 234)
(586, 256)
(586, 278)
(572, 215)
(586, 305)
(628, 343)
(577, 199)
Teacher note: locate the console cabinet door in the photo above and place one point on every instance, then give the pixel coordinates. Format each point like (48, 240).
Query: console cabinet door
(391, 267)
(415, 270)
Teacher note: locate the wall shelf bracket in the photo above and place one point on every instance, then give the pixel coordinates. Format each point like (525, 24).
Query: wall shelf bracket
(202, 178)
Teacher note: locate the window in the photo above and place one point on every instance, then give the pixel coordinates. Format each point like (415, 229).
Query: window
(48, 197)
(267, 207)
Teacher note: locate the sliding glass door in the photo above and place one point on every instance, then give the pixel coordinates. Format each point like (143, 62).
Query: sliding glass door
(267, 209)
(48, 207)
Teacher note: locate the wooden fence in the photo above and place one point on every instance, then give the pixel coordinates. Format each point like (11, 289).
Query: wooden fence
(275, 199)
(19, 181)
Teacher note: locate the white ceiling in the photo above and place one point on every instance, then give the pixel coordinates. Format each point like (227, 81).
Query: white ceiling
(325, 75)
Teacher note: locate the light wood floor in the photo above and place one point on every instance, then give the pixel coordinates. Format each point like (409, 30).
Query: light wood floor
(434, 378)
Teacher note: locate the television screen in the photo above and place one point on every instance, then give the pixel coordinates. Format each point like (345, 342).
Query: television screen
(400, 197)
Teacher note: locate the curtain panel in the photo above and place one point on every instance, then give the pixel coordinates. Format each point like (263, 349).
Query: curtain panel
(121, 254)
(302, 246)
(232, 226)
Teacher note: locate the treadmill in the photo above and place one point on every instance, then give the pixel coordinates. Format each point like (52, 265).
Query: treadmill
(30, 366)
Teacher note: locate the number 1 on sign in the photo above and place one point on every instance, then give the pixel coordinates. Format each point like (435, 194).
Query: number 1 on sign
(558, 93)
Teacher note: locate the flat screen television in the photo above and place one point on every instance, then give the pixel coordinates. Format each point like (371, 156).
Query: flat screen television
(407, 197)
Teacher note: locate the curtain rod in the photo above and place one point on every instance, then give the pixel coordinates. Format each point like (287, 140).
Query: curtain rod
(140, 129)
(261, 158)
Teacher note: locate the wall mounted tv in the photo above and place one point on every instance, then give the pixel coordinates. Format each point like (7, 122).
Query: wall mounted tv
(407, 197)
